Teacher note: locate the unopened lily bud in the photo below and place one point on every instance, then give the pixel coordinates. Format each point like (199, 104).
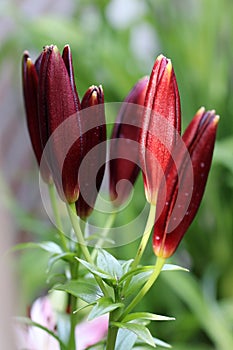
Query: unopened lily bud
(94, 150)
(185, 183)
(124, 147)
(160, 125)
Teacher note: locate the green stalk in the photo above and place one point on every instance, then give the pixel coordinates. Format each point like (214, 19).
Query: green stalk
(73, 307)
(100, 242)
(144, 241)
(82, 244)
(112, 330)
(112, 334)
(53, 200)
(145, 237)
(157, 269)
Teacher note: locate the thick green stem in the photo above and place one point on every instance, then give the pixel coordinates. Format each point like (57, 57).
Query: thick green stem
(112, 330)
(157, 269)
(112, 335)
(53, 200)
(73, 307)
(75, 224)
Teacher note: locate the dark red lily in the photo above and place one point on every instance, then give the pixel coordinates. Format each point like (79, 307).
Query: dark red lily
(95, 150)
(124, 157)
(160, 125)
(180, 195)
(59, 126)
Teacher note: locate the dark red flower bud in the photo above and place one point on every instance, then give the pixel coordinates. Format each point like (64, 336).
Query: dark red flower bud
(124, 147)
(93, 159)
(58, 106)
(160, 125)
(185, 183)
(30, 91)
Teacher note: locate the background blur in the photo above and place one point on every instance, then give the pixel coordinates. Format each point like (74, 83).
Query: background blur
(114, 43)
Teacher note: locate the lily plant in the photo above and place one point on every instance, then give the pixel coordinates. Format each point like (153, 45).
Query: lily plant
(69, 139)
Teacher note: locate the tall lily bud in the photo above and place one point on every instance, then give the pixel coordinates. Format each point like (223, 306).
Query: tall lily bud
(30, 91)
(160, 126)
(124, 148)
(185, 183)
(58, 106)
(94, 156)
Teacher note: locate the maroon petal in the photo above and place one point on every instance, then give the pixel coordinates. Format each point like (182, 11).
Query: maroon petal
(160, 126)
(67, 58)
(124, 154)
(94, 150)
(60, 122)
(185, 186)
(30, 91)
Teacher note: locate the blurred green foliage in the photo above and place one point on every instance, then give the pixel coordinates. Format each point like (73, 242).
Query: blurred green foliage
(198, 36)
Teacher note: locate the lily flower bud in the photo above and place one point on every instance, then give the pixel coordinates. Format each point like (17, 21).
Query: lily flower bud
(185, 183)
(160, 125)
(124, 147)
(30, 90)
(94, 145)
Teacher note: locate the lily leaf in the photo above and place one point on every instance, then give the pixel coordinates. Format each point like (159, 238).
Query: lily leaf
(103, 306)
(125, 339)
(83, 289)
(109, 264)
(171, 267)
(147, 316)
(56, 257)
(137, 282)
(141, 331)
(94, 270)
(48, 246)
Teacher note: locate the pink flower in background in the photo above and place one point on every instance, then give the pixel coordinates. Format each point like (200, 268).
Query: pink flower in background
(33, 338)
(91, 332)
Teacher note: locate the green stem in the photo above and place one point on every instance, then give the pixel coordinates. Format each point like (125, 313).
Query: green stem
(157, 269)
(75, 224)
(112, 330)
(112, 334)
(53, 200)
(73, 307)
(145, 236)
(100, 242)
(144, 241)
